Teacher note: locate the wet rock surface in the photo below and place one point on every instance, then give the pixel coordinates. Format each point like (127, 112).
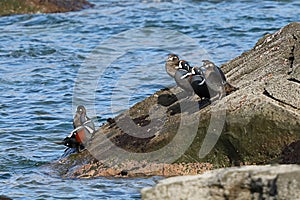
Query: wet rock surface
(10, 7)
(248, 182)
(252, 125)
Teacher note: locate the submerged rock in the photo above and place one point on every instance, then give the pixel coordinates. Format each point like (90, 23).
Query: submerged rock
(10, 7)
(249, 126)
(237, 183)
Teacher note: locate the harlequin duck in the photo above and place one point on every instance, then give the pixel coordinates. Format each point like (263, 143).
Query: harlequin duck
(216, 79)
(198, 83)
(80, 117)
(84, 128)
(181, 77)
(171, 65)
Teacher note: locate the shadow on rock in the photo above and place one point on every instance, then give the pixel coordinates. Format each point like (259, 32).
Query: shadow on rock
(291, 153)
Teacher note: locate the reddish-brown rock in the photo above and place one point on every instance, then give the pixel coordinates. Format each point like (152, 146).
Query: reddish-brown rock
(10, 7)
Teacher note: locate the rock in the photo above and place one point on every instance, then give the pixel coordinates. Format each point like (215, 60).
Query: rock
(249, 126)
(248, 182)
(4, 198)
(10, 7)
(139, 169)
(291, 153)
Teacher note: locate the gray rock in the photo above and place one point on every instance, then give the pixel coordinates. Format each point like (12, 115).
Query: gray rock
(237, 183)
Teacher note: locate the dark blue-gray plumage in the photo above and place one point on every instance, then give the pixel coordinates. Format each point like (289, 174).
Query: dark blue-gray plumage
(198, 83)
(215, 79)
(181, 79)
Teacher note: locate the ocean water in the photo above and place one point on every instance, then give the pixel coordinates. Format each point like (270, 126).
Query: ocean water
(106, 58)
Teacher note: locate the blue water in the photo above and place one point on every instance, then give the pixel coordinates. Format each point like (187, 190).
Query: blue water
(107, 58)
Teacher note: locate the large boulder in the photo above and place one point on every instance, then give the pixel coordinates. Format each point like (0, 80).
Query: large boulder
(249, 126)
(237, 183)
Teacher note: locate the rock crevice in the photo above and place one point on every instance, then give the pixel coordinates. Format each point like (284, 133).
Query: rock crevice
(267, 94)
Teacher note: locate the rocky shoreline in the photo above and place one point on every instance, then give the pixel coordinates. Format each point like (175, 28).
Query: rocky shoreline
(261, 123)
(12, 7)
